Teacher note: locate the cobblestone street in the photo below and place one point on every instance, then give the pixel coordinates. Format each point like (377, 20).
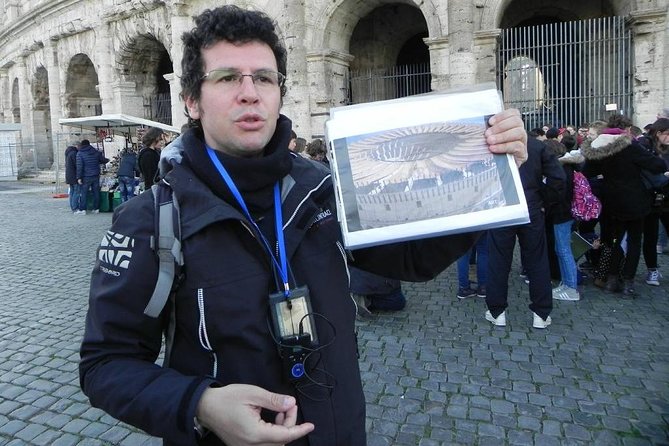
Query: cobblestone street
(435, 374)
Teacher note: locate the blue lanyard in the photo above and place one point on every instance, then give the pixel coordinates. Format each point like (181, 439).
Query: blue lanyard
(278, 220)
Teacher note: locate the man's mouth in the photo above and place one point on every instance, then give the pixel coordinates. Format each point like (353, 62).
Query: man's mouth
(250, 121)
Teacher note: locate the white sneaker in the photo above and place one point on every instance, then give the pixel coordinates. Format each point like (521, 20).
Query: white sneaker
(361, 306)
(653, 277)
(564, 292)
(499, 321)
(540, 323)
(79, 212)
(95, 211)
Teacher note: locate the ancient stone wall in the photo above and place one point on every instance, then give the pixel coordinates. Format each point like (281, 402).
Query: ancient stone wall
(461, 38)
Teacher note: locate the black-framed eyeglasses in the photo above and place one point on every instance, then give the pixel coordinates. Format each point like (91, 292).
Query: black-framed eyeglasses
(230, 78)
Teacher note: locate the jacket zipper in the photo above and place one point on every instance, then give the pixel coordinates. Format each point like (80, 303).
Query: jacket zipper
(202, 332)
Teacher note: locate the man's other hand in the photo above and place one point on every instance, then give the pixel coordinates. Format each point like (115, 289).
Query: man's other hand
(233, 414)
(507, 134)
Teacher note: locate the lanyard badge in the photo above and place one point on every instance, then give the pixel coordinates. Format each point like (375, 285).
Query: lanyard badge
(292, 318)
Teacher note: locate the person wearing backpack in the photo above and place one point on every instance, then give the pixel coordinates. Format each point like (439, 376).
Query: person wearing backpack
(260, 341)
(616, 156)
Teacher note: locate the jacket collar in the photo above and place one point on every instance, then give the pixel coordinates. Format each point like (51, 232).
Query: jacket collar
(304, 191)
(605, 145)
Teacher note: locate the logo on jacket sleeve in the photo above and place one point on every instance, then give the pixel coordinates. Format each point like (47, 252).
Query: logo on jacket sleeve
(115, 251)
(324, 216)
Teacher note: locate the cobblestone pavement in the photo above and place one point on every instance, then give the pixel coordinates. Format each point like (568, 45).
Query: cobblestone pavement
(434, 374)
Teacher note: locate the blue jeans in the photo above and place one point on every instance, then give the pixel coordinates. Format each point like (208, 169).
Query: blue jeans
(481, 263)
(393, 301)
(566, 262)
(74, 196)
(90, 183)
(126, 186)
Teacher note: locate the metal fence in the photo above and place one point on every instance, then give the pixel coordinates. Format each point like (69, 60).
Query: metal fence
(387, 83)
(567, 73)
(21, 160)
(556, 74)
(158, 108)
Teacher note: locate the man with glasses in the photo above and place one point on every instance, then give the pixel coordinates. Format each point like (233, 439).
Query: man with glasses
(262, 345)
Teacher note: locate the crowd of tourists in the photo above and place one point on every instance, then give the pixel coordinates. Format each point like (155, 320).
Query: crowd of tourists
(598, 197)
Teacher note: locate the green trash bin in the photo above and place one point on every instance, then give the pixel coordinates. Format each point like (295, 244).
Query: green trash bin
(116, 200)
(105, 205)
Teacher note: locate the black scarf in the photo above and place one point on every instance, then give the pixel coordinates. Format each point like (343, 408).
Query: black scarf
(254, 177)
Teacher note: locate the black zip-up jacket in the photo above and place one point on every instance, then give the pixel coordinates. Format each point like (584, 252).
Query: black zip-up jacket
(71, 165)
(223, 299)
(558, 206)
(539, 174)
(147, 161)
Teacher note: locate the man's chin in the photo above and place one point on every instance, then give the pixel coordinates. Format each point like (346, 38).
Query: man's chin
(246, 151)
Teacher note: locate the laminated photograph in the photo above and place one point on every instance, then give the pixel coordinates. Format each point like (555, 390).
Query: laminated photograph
(419, 167)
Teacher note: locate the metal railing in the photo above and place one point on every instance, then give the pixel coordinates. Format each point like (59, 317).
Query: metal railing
(387, 83)
(20, 159)
(567, 73)
(158, 107)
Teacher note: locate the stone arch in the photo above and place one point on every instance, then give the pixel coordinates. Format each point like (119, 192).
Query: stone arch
(510, 13)
(379, 37)
(81, 88)
(335, 22)
(16, 101)
(388, 51)
(41, 118)
(144, 61)
(529, 13)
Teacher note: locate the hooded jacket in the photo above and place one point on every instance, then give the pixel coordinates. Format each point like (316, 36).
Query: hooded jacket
(221, 313)
(619, 159)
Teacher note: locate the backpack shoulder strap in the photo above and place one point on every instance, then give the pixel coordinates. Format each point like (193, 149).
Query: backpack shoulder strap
(167, 244)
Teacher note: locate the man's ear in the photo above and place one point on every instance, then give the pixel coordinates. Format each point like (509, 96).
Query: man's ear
(193, 107)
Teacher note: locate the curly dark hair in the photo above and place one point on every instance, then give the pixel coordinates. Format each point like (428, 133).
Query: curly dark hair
(232, 24)
(617, 121)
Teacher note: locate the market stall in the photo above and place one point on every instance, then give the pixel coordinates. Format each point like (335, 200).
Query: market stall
(112, 133)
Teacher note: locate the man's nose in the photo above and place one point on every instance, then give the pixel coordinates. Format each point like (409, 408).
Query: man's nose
(247, 89)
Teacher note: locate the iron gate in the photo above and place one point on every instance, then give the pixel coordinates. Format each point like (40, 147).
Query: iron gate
(567, 73)
(386, 83)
